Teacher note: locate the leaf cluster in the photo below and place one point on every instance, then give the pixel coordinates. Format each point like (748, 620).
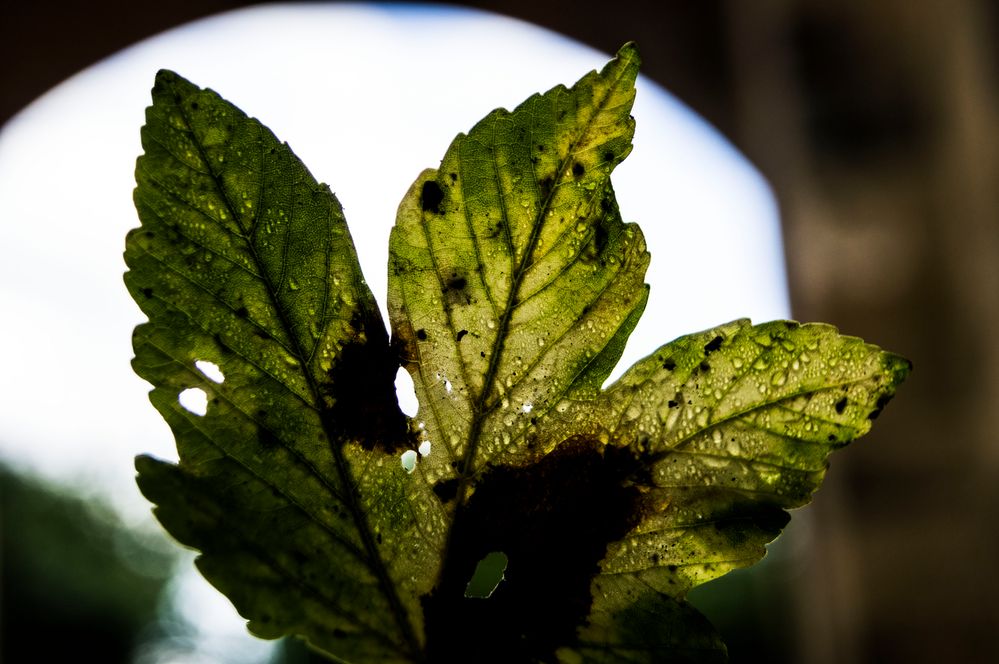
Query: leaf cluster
(513, 286)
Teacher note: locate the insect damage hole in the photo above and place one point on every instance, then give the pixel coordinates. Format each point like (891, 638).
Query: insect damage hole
(194, 400)
(405, 393)
(487, 576)
(210, 369)
(424, 448)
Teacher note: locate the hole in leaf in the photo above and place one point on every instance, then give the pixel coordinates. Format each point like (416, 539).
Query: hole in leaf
(405, 393)
(487, 576)
(425, 448)
(447, 386)
(210, 369)
(194, 400)
(408, 460)
(527, 407)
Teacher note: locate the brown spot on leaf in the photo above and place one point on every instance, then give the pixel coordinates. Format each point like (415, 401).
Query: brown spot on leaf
(455, 289)
(880, 405)
(545, 187)
(446, 490)
(361, 387)
(432, 197)
(713, 345)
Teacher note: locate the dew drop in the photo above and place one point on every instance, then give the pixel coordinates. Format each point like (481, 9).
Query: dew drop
(408, 460)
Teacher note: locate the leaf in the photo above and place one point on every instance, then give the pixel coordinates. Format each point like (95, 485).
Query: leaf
(551, 519)
(244, 260)
(513, 282)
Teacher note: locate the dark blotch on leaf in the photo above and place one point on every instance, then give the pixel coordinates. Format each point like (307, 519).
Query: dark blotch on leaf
(880, 405)
(669, 364)
(432, 197)
(713, 345)
(446, 490)
(147, 292)
(578, 170)
(600, 237)
(460, 335)
(841, 405)
(455, 291)
(545, 187)
(362, 387)
(553, 520)
(266, 438)
(421, 334)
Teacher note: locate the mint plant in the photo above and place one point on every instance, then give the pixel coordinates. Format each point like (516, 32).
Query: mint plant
(546, 518)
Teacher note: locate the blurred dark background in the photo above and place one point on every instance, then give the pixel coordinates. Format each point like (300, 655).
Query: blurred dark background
(877, 124)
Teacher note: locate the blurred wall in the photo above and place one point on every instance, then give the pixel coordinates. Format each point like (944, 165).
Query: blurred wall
(876, 123)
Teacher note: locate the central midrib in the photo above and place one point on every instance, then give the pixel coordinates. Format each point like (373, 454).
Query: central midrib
(481, 405)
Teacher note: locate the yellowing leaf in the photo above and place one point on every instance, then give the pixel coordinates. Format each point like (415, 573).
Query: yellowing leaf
(513, 282)
(544, 518)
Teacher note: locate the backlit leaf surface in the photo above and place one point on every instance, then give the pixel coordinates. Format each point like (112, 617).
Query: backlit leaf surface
(513, 286)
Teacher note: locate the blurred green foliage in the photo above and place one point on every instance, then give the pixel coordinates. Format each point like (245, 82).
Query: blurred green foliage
(73, 579)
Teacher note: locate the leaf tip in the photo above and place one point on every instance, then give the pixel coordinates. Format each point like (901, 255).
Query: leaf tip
(629, 51)
(144, 463)
(169, 85)
(625, 64)
(900, 367)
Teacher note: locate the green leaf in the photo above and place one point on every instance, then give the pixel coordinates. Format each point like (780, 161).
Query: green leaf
(551, 519)
(244, 260)
(513, 282)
